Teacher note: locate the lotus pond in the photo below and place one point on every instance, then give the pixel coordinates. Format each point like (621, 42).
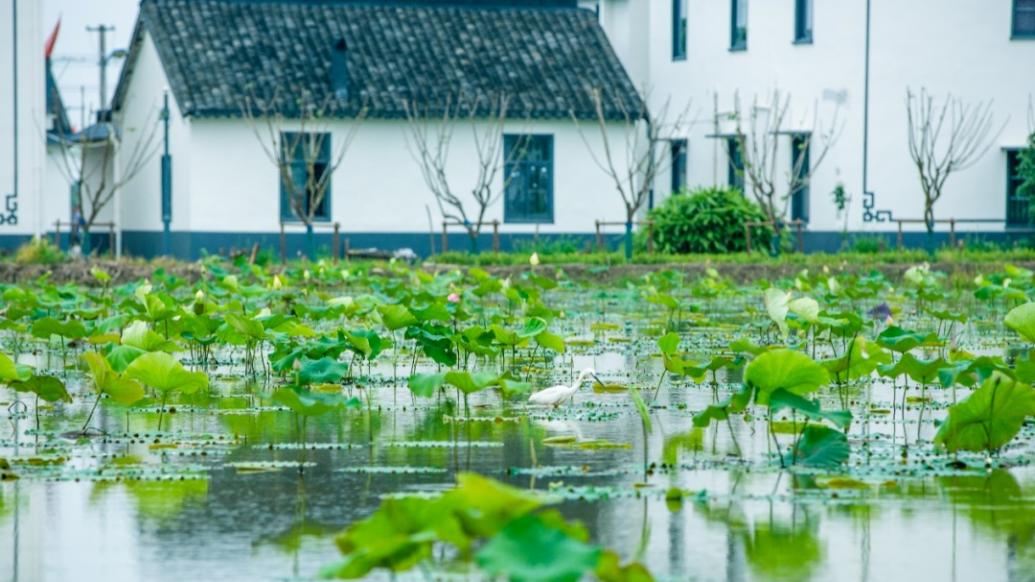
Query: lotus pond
(372, 420)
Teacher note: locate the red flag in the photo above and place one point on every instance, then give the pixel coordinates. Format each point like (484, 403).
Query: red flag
(48, 48)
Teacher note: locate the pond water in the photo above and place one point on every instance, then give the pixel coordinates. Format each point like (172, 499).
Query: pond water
(228, 489)
(202, 512)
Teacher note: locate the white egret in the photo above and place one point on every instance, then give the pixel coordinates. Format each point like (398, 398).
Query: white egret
(555, 395)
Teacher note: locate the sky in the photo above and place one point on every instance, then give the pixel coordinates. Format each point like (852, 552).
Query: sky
(76, 52)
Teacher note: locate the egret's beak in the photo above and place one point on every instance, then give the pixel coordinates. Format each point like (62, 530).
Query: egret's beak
(599, 381)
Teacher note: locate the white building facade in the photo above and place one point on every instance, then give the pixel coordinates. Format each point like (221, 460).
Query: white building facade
(843, 63)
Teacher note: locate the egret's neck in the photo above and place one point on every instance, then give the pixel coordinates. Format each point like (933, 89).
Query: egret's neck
(582, 378)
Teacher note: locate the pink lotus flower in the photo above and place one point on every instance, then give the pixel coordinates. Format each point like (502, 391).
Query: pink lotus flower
(453, 298)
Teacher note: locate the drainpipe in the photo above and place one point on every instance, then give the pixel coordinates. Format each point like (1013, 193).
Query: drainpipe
(11, 203)
(166, 177)
(866, 111)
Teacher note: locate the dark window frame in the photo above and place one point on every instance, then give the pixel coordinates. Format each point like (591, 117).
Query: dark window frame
(1016, 34)
(679, 176)
(513, 161)
(680, 29)
(298, 165)
(1018, 208)
(800, 197)
(735, 164)
(738, 35)
(803, 21)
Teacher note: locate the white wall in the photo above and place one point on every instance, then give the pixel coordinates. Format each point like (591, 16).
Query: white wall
(961, 47)
(379, 188)
(139, 119)
(31, 115)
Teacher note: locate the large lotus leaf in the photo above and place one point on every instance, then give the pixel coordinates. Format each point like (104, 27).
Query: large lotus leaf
(309, 403)
(48, 326)
(426, 384)
(165, 374)
(469, 383)
(48, 388)
(783, 368)
(551, 341)
(806, 308)
(902, 340)
(821, 447)
(533, 327)
(989, 418)
(528, 549)
(322, 371)
(486, 506)
(396, 316)
(781, 399)
(918, 369)
(10, 371)
(123, 390)
(777, 304)
(248, 328)
(860, 361)
(140, 336)
(1022, 320)
(669, 343)
(120, 357)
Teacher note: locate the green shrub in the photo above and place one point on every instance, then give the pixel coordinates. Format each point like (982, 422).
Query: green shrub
(38, 251)
(710, 220)
(867, 245)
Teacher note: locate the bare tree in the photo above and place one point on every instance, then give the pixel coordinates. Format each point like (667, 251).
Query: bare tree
(88, 165)
(294, 129)
(429, 139)
(642, 131)
(946, 138)
(759, 146)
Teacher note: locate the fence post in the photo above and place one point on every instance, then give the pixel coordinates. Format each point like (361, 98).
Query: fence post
(801, 236)
(111, 239)
(747, 236)
(336, 242)
(283, 244)
(348, 249)
(650, 237)
(952, 232)
(600, 239)
(445, 237)
(495, 236)
(57, 233)
(899, 239)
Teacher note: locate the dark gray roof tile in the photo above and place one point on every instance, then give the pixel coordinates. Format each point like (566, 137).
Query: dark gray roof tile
(216, 53)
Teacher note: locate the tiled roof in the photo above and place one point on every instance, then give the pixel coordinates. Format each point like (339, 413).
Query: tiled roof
(217, 53)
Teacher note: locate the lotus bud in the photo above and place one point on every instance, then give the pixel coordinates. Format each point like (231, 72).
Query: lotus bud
(453, 298)
(534, 260)
(277, 283)
(307, 275)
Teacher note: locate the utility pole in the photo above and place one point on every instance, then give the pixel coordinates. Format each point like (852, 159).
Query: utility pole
(102, 31)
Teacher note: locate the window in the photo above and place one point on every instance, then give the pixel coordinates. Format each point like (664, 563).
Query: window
(735, 172)
(306, 159)
(1023, 19)
(678, 30)
(678, 165)
(528, 168)
(739, 25)
(803, 21)
(1017, 206)
(800, 168)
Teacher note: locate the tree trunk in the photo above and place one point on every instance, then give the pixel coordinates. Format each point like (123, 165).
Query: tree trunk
(84, 235)
(628, 239)
(472, 236)
(310, 242)
(929, 223)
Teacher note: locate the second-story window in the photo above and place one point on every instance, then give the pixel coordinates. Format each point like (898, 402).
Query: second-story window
(678, 30)
(1023, 19)
(803, 21)
(738, 25)
(305, 185)
(528, 190)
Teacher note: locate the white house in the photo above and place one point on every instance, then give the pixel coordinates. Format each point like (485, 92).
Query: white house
(23, 121)
(216, 57)
(852, 58)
